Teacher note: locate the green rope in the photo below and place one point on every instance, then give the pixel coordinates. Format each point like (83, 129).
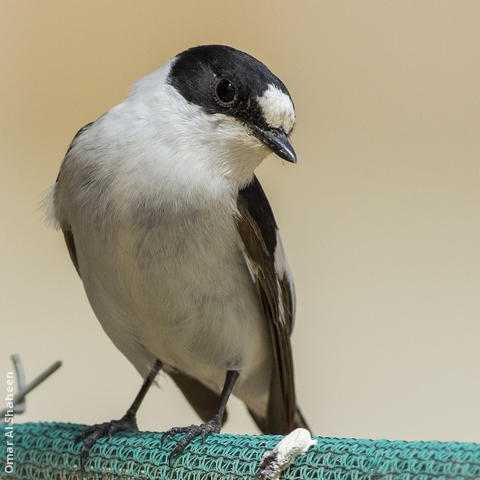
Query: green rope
(46, 451)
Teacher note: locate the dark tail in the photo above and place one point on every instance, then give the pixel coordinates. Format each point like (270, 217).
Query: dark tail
(298, 422)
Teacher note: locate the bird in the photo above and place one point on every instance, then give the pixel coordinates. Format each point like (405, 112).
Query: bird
(176, 244)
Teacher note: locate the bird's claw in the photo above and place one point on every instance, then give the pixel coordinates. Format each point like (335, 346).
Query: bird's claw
(192, 431)
(91, 434)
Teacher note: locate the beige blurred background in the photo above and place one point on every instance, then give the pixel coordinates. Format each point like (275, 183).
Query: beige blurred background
(380, 218)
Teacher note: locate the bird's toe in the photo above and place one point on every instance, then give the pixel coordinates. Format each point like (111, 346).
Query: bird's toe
(90, 435)
(203, 431)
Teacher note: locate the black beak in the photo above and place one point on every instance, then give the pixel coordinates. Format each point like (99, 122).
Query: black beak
(277, 142)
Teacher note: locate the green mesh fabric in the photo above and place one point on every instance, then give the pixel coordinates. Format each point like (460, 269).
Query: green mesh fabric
(46, 451)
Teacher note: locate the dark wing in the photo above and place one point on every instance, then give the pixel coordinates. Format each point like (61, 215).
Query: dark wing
(67, 232)
(69, 240)
(265, 259)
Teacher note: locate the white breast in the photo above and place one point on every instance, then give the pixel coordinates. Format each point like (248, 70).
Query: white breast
(176, 284)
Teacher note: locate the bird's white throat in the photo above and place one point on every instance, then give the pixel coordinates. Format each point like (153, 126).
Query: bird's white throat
(189, 144)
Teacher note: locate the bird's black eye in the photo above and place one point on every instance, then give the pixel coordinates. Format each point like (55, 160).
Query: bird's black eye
(225, 91)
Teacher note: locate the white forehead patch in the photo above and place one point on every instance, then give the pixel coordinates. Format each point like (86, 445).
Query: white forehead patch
(277, 108)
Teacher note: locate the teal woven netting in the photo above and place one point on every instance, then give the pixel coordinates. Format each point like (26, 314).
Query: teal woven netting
(47, 451)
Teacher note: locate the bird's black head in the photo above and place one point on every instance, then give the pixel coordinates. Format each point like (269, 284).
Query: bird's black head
(223, 80)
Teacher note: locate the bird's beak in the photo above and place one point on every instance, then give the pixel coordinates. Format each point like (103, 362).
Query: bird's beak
(277, 142)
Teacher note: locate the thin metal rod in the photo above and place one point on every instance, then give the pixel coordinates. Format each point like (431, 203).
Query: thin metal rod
(19, 397)
(36, 381)
(17, 363)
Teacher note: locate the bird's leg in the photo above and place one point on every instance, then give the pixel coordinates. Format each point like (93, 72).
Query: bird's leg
(203, 430)
(129, 421)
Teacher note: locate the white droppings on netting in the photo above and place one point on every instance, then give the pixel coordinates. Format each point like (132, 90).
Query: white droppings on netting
(284, 454)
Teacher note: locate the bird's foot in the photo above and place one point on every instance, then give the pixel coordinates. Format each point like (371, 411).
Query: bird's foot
(192, 431)
(91, 434)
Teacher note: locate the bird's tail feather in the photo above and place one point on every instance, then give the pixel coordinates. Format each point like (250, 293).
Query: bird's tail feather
(298, 422)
